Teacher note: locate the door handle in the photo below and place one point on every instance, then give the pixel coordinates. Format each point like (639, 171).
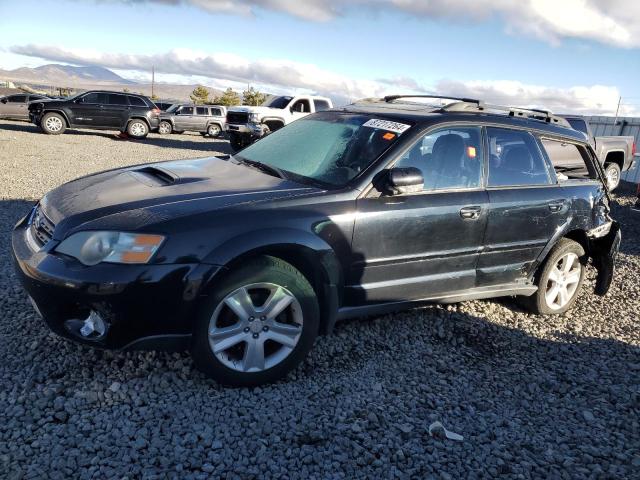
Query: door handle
(470, 213)
(556, 206)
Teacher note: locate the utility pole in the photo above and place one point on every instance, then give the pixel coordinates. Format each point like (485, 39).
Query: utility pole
(153, 79)
(615, 120)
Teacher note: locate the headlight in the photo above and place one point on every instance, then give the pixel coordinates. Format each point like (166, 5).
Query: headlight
(254, 117)
(92, 248)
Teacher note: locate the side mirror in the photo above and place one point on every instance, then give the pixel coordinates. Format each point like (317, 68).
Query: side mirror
(397, 181)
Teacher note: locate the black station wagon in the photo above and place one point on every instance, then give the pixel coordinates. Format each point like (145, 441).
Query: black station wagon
(375, 207)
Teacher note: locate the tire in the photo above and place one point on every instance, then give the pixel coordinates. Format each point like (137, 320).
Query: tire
(53, 123)
(137, 128)
(238, 360)
(612, 173)
(213, 130)
(544, 302)
(236, 142)
(165, 128)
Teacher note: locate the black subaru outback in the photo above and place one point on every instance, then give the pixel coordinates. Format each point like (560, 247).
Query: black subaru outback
(102, 110)
(375, 207)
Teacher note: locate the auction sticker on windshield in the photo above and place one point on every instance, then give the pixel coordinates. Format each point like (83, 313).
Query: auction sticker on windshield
(387, 125)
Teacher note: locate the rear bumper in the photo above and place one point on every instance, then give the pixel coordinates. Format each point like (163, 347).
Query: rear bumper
(144, 306)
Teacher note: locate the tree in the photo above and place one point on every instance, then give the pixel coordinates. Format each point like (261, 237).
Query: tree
(253, 97)
(125, 90)
(229, 98)
(199, 95)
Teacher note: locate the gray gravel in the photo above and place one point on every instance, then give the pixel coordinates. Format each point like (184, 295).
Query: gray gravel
(534, 397)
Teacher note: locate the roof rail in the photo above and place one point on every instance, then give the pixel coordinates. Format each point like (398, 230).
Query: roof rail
(530, 113)
(391, 98)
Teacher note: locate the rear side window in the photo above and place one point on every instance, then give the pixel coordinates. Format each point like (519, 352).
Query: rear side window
(186, 111)
(137, 102)
(448, 159)
(115, 99)
(95, 98)
(17, 98)
(321, 105)
(515, 159)
(202, 110)
(570, 161)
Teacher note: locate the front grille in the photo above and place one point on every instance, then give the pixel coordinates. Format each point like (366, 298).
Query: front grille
(41, 227)
(237, 117)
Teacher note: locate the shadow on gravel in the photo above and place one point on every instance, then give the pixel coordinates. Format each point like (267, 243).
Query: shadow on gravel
(19, 127)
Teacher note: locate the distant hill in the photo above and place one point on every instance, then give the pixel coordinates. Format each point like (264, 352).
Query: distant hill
(92, 77)
(65, 75)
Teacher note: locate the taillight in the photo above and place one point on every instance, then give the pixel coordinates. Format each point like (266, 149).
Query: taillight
(156, 111)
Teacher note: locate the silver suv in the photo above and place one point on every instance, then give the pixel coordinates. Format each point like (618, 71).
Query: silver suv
(206, 119)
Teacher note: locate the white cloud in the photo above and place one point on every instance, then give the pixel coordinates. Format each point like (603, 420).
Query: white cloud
(614, 22)
(282, 76)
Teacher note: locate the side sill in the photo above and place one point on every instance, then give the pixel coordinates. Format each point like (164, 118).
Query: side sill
(471, 294)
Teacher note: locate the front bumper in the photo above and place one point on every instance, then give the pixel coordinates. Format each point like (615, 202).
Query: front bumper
(255, 130)
(144, 306)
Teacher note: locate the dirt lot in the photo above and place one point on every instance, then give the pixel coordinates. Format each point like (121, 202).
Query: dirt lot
(533, 397)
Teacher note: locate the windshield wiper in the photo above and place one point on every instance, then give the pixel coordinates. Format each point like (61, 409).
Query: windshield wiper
(264, 167)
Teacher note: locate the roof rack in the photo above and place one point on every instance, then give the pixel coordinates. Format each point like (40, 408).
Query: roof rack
(519, 112)
(391, 98)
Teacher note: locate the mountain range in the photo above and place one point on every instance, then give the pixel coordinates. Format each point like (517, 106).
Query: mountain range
(47, 77)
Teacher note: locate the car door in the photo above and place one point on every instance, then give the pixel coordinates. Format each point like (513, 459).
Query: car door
(115, 111)
(201, 119)
(184, 118)
(88, 109)
(423, 244)
(526, 207)
(16, 106)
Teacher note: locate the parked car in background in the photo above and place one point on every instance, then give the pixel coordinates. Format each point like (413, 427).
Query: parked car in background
(164, 106)
(98, 109)
(15, 107)
(206, 119)
(376, 207)
(615, 152)
(247, 124)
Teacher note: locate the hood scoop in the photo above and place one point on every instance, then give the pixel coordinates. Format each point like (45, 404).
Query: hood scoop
(160, 177)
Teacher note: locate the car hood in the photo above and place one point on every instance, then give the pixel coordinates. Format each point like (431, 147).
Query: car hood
(262, 110)
(137, 196)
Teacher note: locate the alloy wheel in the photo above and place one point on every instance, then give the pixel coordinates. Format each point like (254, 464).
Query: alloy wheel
(563, 281)
(138, 129)
(255, 327)
(53, 124)
(213, 130)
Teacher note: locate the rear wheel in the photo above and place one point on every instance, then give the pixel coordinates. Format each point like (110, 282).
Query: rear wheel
(137, 129)
(560, 279)
(213, 130)
(53, 123)
(258, 325)
(165, 128)
(612, 173)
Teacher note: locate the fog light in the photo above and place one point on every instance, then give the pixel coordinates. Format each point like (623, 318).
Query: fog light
(93, 326)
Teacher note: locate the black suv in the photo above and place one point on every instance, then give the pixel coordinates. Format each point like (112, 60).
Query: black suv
(372, 208)
(134, 114)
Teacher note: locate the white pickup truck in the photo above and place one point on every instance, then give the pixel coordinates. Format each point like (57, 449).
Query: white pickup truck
(246, 124)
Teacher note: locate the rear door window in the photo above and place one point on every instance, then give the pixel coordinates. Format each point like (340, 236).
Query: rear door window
(515, 159)
(570, 161)
(116, 99)
(202, 111)
(450, 158)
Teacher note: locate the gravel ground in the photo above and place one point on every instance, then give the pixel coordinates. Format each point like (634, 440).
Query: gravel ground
(533, 397)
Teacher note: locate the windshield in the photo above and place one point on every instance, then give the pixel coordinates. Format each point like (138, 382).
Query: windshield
(328, 148)
(277, 102)
(172, 108)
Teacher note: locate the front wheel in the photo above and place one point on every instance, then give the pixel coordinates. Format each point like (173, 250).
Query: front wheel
(258, 325)
(137, 129)
(213, 130)
(560, 279)
(612, 173)
(53, 123)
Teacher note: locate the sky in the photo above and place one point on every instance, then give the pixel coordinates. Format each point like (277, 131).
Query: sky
(566, 55)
